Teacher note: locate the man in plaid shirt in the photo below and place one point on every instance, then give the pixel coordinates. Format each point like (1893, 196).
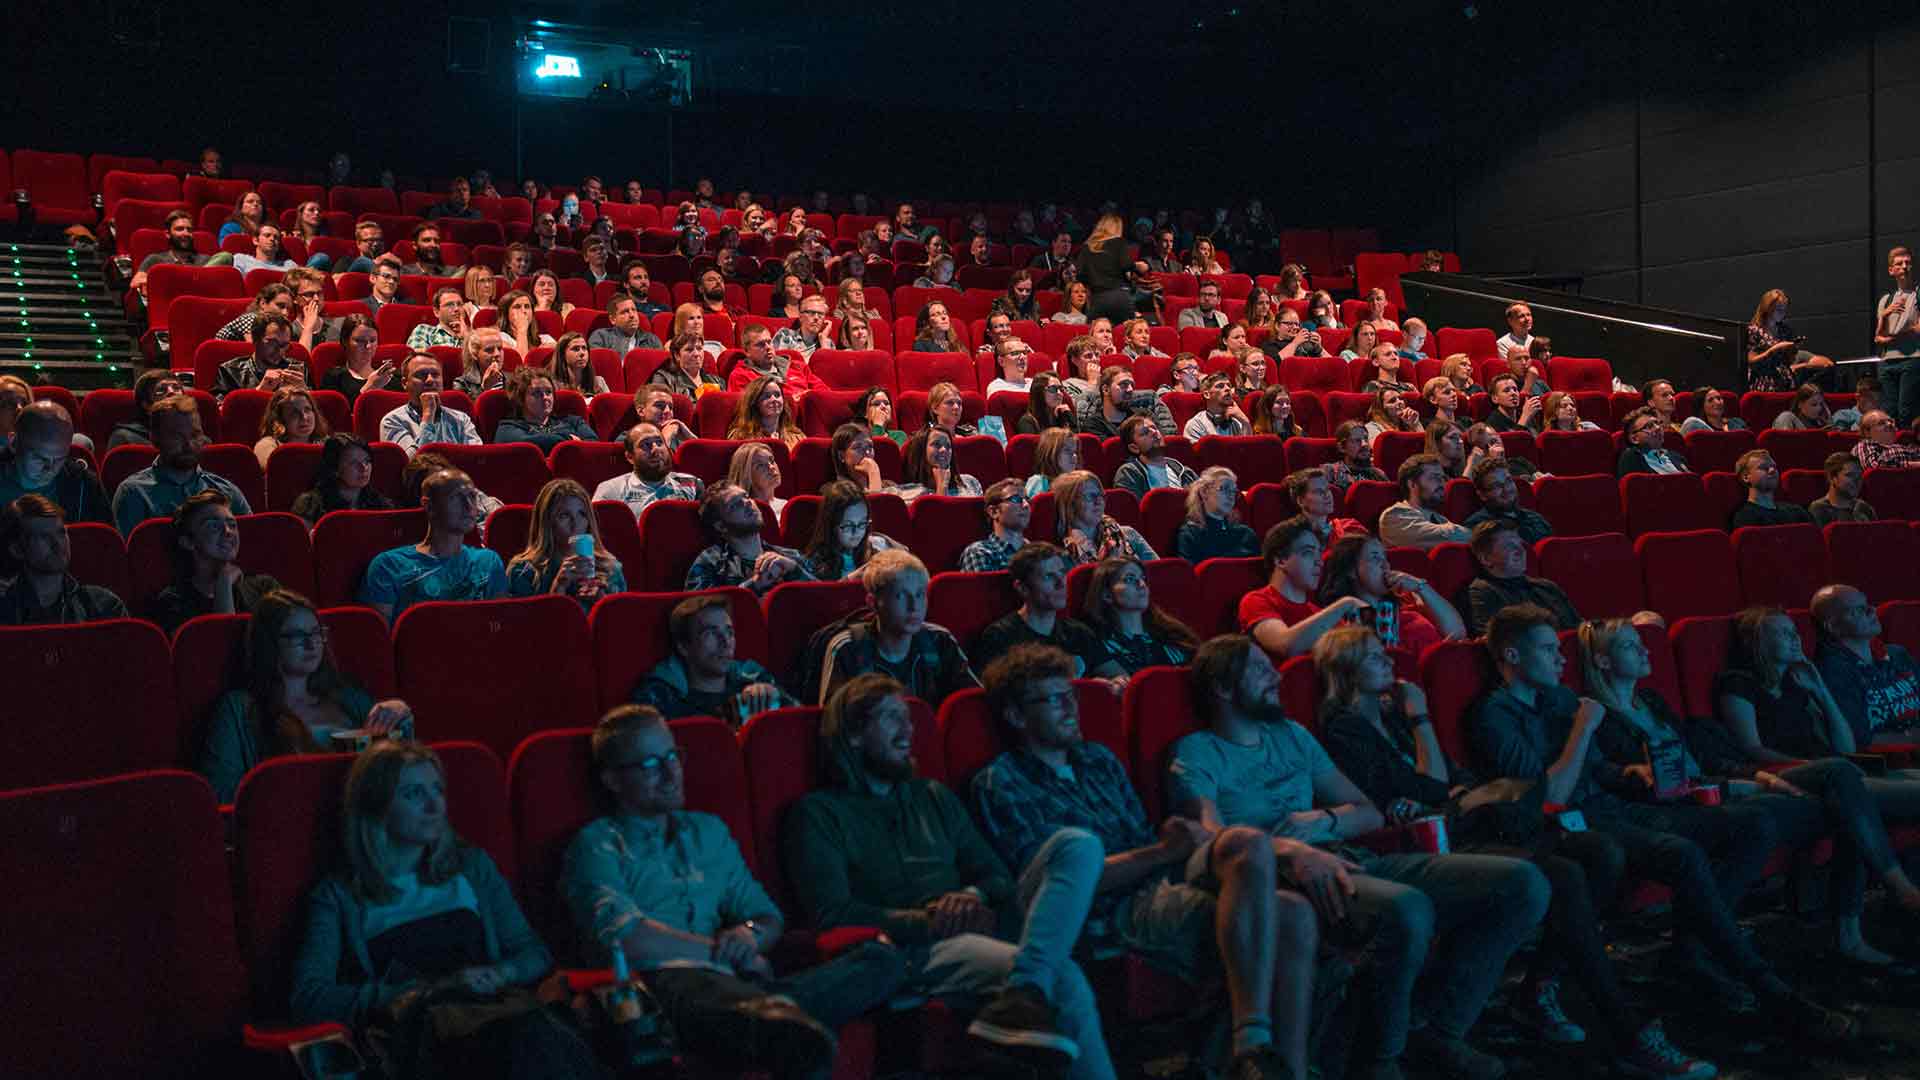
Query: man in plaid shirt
(1008, 511)
(1188, 900)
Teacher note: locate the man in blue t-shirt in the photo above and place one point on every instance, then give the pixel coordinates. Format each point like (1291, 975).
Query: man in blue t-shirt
(1878, 695)
(441, 567)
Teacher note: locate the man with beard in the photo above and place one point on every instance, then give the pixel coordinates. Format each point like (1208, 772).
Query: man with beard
(1757, 470)
(897, 640)
(711, 294)
(1009, 511)
(652, 476)
(1039, 573)
(1252, 766)
(457, 204)
(883, 847)
(628, 332)
(738, 555)
(637, 280)
(703, 677)
(426, 253)
(669, 888)
(33, 530)
(1147, 465)
(1220, 415)
(1192, 902)
(424, 418)
(160, 488)
(178, 252)
(442, 566)
(1356, 456)
(268, 368)
(1500, 501)
(1416, 520)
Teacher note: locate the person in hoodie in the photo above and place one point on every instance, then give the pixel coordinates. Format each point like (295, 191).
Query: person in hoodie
(39, 461)
(703, 677)
(886, 848)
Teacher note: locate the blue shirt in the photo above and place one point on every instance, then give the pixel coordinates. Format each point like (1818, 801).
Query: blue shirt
(403, 426)
(403, 577)
(1256, 785)
(152, 493)
(526, 579)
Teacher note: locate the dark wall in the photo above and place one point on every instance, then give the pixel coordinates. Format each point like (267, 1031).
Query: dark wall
(1695, 161)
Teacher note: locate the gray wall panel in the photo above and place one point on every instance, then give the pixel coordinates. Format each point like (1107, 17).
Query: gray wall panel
(1784, 214)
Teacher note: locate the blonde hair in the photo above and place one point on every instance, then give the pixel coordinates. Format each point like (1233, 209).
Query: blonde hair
(885, 566)
(1046, 453)
(1200, 495)
(740, 465)
(371, 786)
(1596, 639)
(683, 315)
(1066, 496)
(1109, 227)
(545, 548)
(1457, 363)
(1337, 656)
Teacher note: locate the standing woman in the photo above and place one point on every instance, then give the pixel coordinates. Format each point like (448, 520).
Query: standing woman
(843, 538)
(415, 908)
(562, 513)
(1107, 270)
(1775, 360)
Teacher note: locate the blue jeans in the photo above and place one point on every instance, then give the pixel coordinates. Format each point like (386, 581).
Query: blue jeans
(1056, 889)
(1900, 387)
(1470, 911)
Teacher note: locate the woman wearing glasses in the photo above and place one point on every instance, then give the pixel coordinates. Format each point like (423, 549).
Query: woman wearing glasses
(293, 700)
(843, 538)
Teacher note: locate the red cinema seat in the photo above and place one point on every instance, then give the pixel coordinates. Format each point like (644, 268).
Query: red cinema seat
(1796, 449)
(153, 187)
(1874, 557)
(67, 722)
(1580, 505)
(799, 609)
(201, 192)
(99, 165)
(99, 557)
(510, 472)
(1702, 645)
(674, 539)
(1476, 342)
(1577, 453)
(351, 538)
(1162, 513)
(1672, 503)
(1320, 374)
(495, 699)
(239, 464)
(1157, 709)
(1759, 407)
(271, 544)
(1253, 458)
(1781, 565)
(57, 185)
(1900, 623)
(965, 603)
(981, 457)
(1893, 493)
(886, 515)
(782, 752)
(925, 370)
(100, 410)
(1368, 499)
(630, 636)
(1689, 573)
(588, 463)
(1170, 582)
(1342, 406)
(364, 200)
(1455, 674)
(121, 959)
(1580, 374)
(709, 458)
(1304, 452)
(1390, 448)
(1599, 572)
(942, 526)
(1716, 451)
(1222, 583)
(166, 281)
(970, 737)
(849, 369)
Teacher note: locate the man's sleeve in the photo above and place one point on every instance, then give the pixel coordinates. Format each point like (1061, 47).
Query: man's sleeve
(1493, 730)
(1190, 779)
(395, 429)
(595, 891)
(237, 497)
(742, 897)
(129, 508)
(1483, 602)
(1015, 835)
(378, 586)
(975, 859)
(469, 434)
(825, 891)
(955, 672)
(496, 575)
(1132, 477)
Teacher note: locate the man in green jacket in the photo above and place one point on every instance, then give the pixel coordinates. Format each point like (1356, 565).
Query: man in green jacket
(882, 847)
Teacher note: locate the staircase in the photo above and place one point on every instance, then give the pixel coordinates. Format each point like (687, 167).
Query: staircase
(59, 324)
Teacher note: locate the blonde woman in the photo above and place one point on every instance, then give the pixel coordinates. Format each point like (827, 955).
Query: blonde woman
(1082, 527)
(553, 562)
(478, 285)
(1457, 369)
(572, 366)
(483, 357)
(1213, 528)
(754, 469)
(1108, 270)
(1056, 454)
(291, 417)
(945, 406)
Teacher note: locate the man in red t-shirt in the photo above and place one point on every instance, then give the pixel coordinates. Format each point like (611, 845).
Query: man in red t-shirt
(1283, 617)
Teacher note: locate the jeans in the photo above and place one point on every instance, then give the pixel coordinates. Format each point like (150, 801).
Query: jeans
(359, 264)
(1056, 890)
(1900, 387)
(1473, 911)
(1702, 899)
(1584, 870)
(696, 999)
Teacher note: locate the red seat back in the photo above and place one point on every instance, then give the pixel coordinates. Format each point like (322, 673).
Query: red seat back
(631, 636)
(99, 557)
(1577, 374)
(1576, 453)
(1455, 674)
(965, 603)
(466, 670)
(1157, 710)
(1667, 503)
(351, 538)
(1580, 505)
(1874, 557)
(1795, 449)
(510, 472)
(66, 722)
(1600, 573)
(800, 608)
(1781, 565)
(1222, 583)
(1689, 573)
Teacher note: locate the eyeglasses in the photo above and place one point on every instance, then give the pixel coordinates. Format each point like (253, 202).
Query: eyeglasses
(1017, 499)
(653, 764)
(1059, 699)
(852, 526)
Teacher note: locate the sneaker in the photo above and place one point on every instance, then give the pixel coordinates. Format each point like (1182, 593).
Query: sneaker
(1539, 1010)
(1652, 1057)
(1454, 1057)
(1259, 1063)
(1699, 972)
(1022, 1023)
(773, 1029)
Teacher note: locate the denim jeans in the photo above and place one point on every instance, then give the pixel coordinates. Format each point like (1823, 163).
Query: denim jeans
(1470, 911)
(833, 993)
(1700, 895)
(1900, 387)
(1056, 889)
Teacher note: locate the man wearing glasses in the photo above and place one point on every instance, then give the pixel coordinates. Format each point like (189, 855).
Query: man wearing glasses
(451, 309)
(1879, 447)
(369, 240)
(1012, 355)
(1008, 512)
(669, 888)
(1646, 445)
(383, 282)
(810, 334)
(1291, 339)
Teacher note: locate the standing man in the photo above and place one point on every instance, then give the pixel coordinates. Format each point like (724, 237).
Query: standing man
(1896, 335)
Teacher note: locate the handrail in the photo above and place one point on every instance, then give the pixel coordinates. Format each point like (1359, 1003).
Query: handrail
(1539, 306)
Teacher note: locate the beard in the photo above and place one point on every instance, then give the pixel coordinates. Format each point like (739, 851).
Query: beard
(651, 473)
(716, 294)
(894, 771)
(181, 243)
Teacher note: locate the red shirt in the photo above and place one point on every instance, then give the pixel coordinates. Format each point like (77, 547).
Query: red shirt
(1412, 632)
(1267, 603)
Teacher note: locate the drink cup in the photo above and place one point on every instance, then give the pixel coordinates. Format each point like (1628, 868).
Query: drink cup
(1706, 794)
(1429, 834)
(352, 740)
(583, 545)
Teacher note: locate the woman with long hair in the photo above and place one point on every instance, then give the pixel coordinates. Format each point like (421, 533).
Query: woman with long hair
(933, 330)
(1360, 345)
(1137, 632)
(1083, 527)
(873, 409)
(754, 470)
(1073, 306)
(572, 366)
(1390, 412)
(292, 698)
(478, 285)
(1446, 442)
(1710, 413)
(1409, 614)
(852, 454)
(553, 561)
(516, 323)
(1807, 412)
(416, 911)
(852, 297)
(1377, 731)
(1322, 312)
(249, 213)
(945, 407)
(545, 287)
(926, 467)
(291, 417)
(1108, 270)
(787, 296)
(1018, 301)
(1055, 455)
(342, 481)
(1292, 284)
(1561, 413)
(843, 538)
(1273, 413)
(310, 224)
(1262, 311)
(854, 332)
(1048, 406)
(763, 413)
(1775, 360)
(1202, 258)
(1213, 528)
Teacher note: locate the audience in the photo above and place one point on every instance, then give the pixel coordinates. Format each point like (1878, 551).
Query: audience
(1213, 528)
(703, 676)
(1378, 733)
(652, 476)
(851, 450)
(441, 566)
(343, 480)
(1501, 550)
(702, 952)
(1417, 520)
(893, 639)
(1193, 902)
(1084, 529)
(1009, 510)
(357, 369)
(1010, 357)
(738, 556)
(39, 460)
(1389, 411)
(207, 579)
(1283, 616)
(926, 467)
(1646, 446)
(684, 371)
(1519, 332)
(1710, 413)
(450, 311)
(149, 386)
(842, 539)
(1405, 610)
(1039, 575)
(1253, 766)
(412, 888)
(42, 592)
(1310, 490)
(159, 489)
(629, 330)
(533, 419)
(1147, 465)
(1807, 412)
(1136, 632)
(1761, 476)
(556, 560)
(1842, 502)
(874, 406)
(1876, 684)
(1049, 406)
(270, 368)
(291, 698)
(1510, 412)
(755, 470)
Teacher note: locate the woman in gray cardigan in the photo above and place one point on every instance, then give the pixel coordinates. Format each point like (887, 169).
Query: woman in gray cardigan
(416, 909)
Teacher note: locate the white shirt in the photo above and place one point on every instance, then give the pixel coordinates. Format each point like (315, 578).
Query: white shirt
(998, 385)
